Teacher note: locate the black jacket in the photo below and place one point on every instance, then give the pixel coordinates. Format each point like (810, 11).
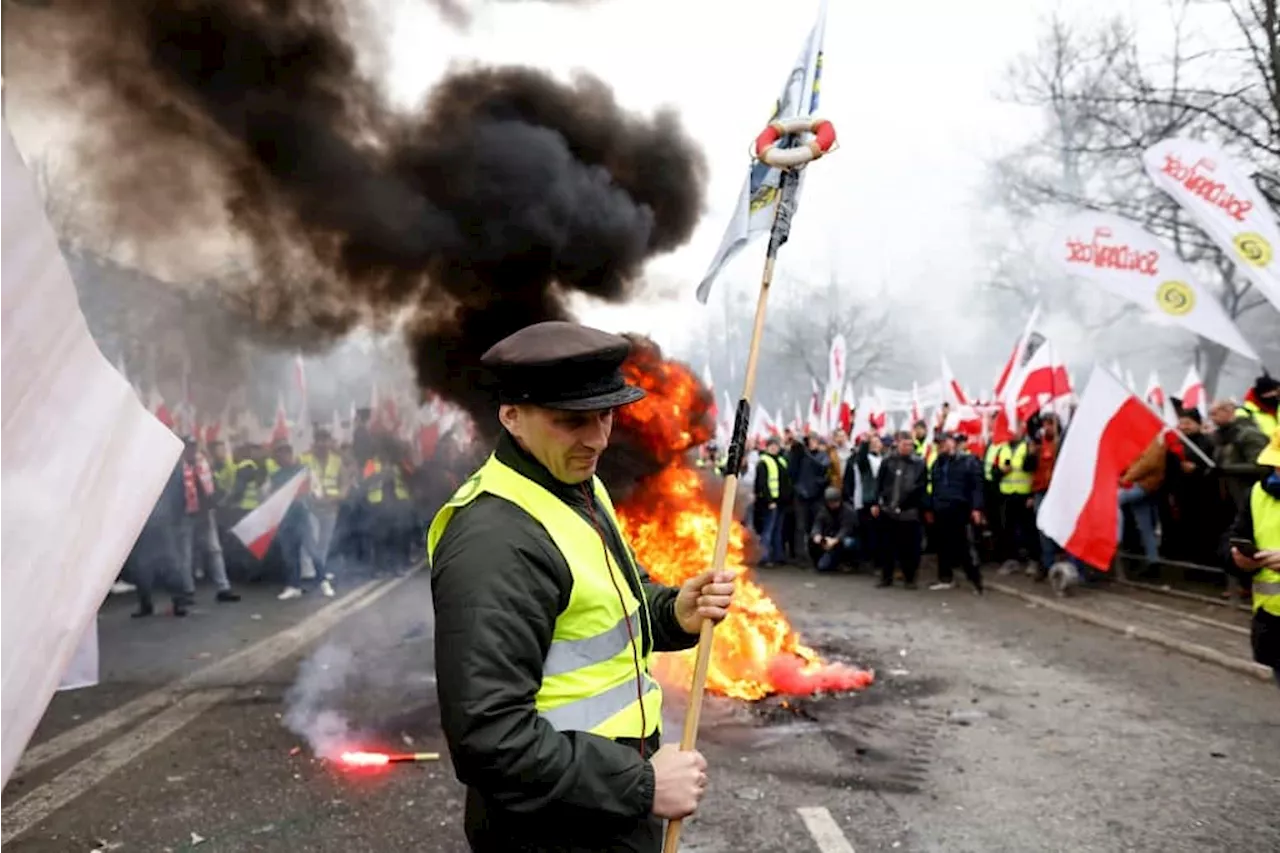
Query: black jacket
(498, 583)
(956, 481)
(840, 523)
(901, 486)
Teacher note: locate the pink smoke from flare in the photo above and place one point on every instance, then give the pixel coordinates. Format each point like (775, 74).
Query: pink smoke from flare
(789, 676)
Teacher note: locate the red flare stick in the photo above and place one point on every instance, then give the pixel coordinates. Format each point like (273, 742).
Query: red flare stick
(378, 759)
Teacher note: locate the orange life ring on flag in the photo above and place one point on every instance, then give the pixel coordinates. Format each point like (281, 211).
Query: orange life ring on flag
(766, 147)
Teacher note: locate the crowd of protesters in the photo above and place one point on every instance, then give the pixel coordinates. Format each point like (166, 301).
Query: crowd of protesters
(362, 513)
(880, 500)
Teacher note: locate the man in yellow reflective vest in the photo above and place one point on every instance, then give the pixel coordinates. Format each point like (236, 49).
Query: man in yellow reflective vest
(325, 494)
(1255, 549)
(1017, 503)
(545, 623)
(773, 493)
(1261, 404)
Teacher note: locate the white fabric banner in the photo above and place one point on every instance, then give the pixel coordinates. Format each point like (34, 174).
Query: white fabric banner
(758, 199)
(82, 670)
(82, 467)
(1218, 194)
(1121, 256)
(903, 401)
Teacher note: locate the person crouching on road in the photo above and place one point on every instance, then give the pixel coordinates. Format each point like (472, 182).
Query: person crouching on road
(832, 541)
(546, 625)
(1259, 523)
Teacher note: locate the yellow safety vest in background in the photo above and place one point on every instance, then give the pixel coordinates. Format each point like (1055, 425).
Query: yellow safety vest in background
(1265, 421)
(252, 492)
(225, 476)
(1015, 481)
(772, 466)
(324, 478)
(375, 492)
(989, 461)
(1265, 511)
(588, 676)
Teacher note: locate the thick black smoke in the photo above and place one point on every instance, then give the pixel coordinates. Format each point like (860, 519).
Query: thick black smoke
(478, 215)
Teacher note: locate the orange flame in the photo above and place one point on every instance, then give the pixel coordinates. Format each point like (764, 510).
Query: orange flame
(672, 524)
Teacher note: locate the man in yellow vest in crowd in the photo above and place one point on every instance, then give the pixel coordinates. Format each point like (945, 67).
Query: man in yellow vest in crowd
(1017, 504)
(772, 493)
(546, 626)
(1262, 404)
(327, 488)
(1255, 548)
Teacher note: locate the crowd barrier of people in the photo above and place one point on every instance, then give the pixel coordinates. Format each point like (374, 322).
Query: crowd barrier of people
(363, 513)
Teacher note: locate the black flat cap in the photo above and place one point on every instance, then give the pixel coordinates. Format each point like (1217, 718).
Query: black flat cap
(561, 365)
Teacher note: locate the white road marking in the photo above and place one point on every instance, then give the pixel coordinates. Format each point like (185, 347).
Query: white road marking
(40, 802)
(824, 829)
(226, 669)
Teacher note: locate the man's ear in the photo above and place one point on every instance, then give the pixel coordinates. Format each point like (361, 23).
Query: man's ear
(509, 417)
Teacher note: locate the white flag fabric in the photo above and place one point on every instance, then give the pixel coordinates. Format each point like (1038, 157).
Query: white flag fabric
(82, 669)
(1192, 394)
(1121, 256)
(257, 530)
(753, 215)
(1218, 194)
(1110, 430)
(952, 392)
(83, 463)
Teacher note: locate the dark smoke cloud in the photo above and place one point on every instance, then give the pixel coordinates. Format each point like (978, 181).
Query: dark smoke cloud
(477, 216)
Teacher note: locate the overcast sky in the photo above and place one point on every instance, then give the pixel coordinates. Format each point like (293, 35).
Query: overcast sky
(910, 86)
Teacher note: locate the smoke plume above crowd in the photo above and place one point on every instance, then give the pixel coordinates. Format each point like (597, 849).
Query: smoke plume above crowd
(465, 220)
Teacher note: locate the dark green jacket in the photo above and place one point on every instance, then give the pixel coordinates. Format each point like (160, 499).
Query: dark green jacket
(498, 583)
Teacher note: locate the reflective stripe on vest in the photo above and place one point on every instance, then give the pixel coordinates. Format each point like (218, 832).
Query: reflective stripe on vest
(1265, 511)
(1265, 421)
(1015, 481)
(252, 492)
(325, 477)
(589, 673)
(771, 468)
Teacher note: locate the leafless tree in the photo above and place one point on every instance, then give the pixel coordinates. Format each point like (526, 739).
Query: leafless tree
(1104, 101)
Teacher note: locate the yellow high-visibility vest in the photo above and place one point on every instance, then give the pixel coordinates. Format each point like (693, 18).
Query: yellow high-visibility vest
(1015, 481)
(589, 674)
(1266, 535)
(324, 478)
(989, 461)
(374, 494)
(225, 476)
(1265, 421)
(252, 491)
(773, 465)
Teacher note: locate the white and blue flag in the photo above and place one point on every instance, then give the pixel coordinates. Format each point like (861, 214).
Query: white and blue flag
(753, 216)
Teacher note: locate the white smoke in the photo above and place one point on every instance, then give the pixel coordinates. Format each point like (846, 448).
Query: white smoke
(310, 704)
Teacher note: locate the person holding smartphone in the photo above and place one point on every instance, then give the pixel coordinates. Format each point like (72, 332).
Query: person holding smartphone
(1255, 551)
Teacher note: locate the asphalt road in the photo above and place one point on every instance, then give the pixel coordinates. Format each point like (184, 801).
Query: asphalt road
(993, 726)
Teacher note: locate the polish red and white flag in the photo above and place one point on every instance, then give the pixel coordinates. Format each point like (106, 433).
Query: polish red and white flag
(257, 530)
(952, 392)
(1193, 392)
(1155, 393)
(1110, 430)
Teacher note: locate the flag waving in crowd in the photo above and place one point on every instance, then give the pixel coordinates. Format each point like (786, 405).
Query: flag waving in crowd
(1110, 430)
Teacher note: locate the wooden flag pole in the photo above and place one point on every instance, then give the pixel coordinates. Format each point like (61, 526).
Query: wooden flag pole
(737, 452)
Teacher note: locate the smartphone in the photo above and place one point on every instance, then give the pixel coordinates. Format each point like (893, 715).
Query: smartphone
(1246, 547)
